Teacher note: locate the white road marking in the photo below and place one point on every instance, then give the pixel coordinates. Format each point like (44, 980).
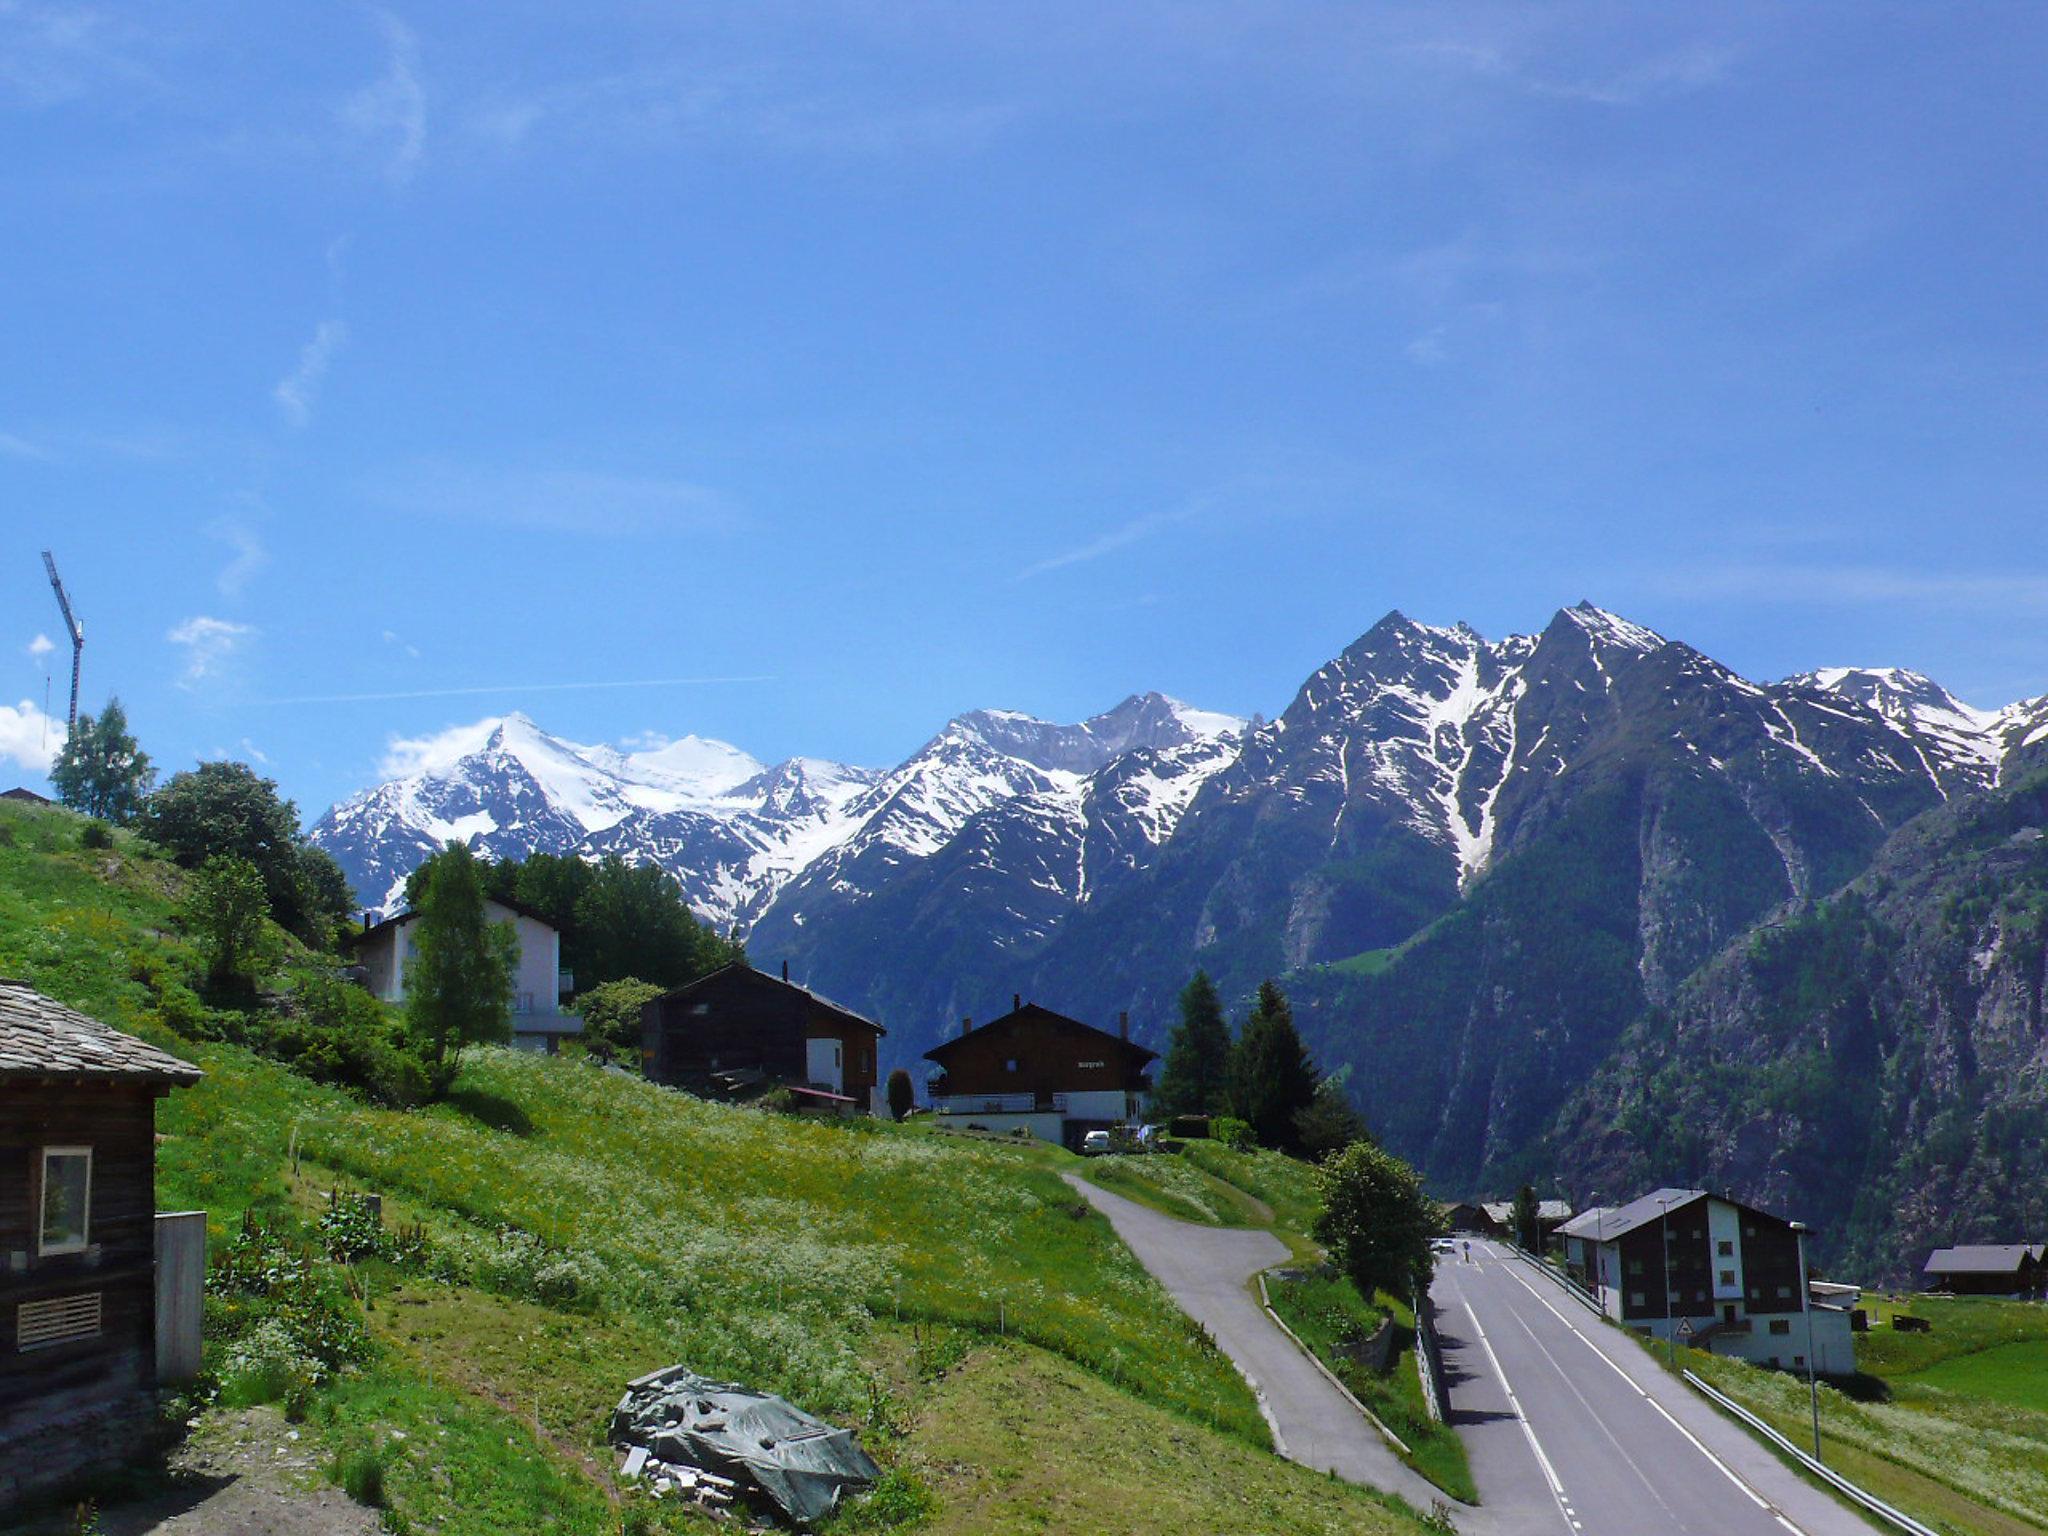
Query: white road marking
(1521, 1418)
(1725, 1470)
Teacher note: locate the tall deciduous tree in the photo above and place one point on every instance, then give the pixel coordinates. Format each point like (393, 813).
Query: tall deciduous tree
(100, 769)
(458, 983)
(1195, 1077)
(1527, 1219)
(225, 906)
(1271, 1077)
(1376, 1221)
(228, 810)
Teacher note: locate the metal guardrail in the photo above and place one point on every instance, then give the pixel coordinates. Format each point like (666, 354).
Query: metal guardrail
(1571, 1287)
(1429, 1363)
(1820, 1469)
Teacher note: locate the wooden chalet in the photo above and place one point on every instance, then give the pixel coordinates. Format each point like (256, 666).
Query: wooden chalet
(739, 1032)
(1988, 1269)
(78, 1329)
(1042, 1071)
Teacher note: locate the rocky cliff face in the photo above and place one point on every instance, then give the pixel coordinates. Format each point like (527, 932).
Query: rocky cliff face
(1875, 1062)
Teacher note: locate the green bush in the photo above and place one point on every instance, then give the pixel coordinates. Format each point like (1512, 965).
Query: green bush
(1234, 1133)
(337, 1033)
(96, 834)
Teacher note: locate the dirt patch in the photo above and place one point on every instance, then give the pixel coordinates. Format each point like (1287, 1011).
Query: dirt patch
(239, 1473)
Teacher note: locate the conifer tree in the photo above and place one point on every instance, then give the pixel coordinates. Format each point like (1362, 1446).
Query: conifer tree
(1195, 1077)
(100, 769)
(1272, 1079)
(458, 984)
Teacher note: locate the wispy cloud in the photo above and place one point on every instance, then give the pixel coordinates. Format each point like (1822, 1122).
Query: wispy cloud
(297, 390)
(15, 447)
(210, 645)
(481, 689)
(557, 500)
(248, 555)
(399, 642)
(50, 54)
(1511, 62)
(1123, 536)
(392, 110)
(40, 647)
(666, 102)
(28, 737)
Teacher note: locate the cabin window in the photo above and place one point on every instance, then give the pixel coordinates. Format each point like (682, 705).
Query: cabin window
(1784, 1293)
(1635, 1298)
(66, 1200)
(1781, 1325)
(1010, 1065)
(1727, 1248)
(1727, 1277)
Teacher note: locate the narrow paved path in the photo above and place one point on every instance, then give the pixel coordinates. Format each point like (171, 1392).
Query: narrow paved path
(1573, 1430)
(1209, 1270)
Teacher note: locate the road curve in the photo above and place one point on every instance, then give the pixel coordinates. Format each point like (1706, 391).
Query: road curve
(1209, 1270)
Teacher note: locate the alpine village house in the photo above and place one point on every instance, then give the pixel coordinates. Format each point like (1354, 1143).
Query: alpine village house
(1715, 1274)
(1042, 1071)
(79, 1277)
(738, 1033)
(383, 950)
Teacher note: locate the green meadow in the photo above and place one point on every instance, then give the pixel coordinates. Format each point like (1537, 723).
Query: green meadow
(568, 1228)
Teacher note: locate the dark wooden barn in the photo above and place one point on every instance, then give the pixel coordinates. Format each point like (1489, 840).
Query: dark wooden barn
(740, 1031)
(77, 1240)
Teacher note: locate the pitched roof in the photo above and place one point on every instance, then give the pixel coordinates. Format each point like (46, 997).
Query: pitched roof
(1980, 1259)
(742, 968)
(1615, 1221)
(406, 915)
(1503, 1211)
(1032, 1012)
(40, 1037)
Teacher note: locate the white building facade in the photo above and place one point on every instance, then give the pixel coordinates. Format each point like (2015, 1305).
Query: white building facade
(538, 1022)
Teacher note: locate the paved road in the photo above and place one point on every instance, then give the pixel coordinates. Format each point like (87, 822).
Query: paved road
(1208, 1270)
(1573, 1430)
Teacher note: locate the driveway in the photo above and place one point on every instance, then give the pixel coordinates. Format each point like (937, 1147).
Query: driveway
(1209, 1270)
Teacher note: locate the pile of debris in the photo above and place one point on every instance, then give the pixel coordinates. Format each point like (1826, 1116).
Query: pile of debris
(711, 1441)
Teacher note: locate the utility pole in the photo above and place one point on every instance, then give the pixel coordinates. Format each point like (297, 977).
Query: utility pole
(1664, 1232)
(73, 628)
(1806, 1310)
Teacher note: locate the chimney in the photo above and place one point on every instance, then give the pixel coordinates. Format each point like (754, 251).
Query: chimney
(1016, 1001)
(1123, 1026)
(966, 1025)
(367, 923)
(785, 970)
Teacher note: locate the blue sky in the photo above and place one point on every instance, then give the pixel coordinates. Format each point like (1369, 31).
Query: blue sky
(831, 369)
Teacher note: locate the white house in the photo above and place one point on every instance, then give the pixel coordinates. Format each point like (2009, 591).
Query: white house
(538, 1022)
(1716, 1274)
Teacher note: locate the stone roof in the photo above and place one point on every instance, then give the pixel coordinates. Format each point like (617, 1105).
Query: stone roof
(1607, 1223)
(40, 1037)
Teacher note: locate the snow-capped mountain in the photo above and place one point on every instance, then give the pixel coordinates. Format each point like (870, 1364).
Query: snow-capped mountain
(734, 832)
(1963, 746)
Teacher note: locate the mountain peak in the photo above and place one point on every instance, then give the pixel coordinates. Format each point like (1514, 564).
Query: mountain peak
(1611, 628)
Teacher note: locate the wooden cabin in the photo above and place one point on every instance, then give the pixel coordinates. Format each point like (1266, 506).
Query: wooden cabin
(739, 1032)
(1040, 1071)
(78, 1362)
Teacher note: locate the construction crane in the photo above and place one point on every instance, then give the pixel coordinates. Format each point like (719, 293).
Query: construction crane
(75, 629)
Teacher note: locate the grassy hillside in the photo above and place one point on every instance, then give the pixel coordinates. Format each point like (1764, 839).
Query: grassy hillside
(1954, 1425)
(569, 1228)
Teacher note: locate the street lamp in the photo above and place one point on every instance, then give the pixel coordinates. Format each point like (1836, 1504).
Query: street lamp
(1806, 1311)
(1664, 1231)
